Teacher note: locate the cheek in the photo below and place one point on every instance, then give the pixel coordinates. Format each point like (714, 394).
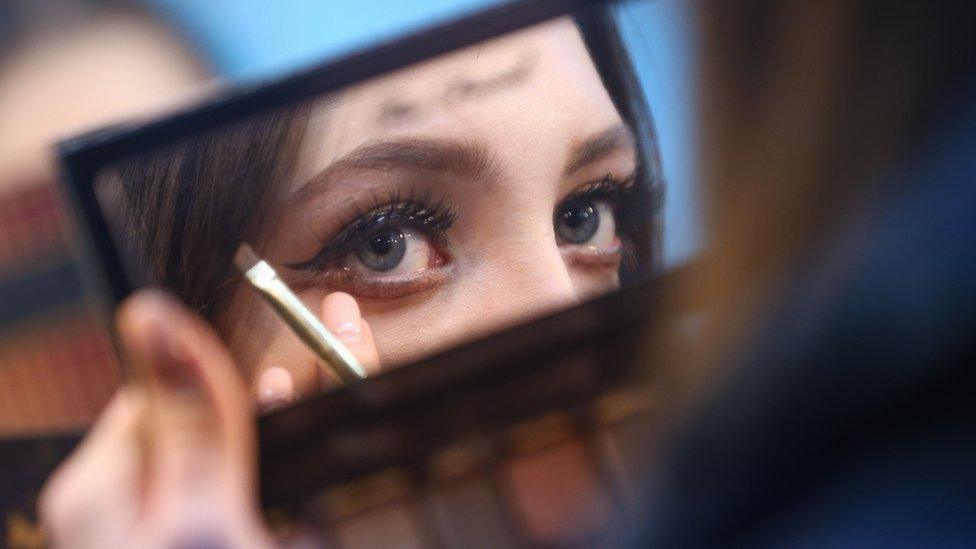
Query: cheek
(453, 313)
(477, 302)
(590, 283)
(414, 330)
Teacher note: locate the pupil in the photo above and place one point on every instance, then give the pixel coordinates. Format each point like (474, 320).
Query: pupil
(577, 216)
(382, 244)
(383, 251)
(578, 222)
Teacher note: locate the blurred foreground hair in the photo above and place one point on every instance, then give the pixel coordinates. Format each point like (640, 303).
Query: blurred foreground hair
(806, 107)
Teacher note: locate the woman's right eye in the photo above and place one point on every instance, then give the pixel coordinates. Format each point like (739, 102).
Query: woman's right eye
(391, 251)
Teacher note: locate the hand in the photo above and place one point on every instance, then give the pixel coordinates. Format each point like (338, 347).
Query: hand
(169, 464)
(340, 315)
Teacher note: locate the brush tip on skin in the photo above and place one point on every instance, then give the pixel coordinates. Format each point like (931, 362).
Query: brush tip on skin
(245, 258)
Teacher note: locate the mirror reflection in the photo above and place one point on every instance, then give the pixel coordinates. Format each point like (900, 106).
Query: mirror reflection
(410, 212)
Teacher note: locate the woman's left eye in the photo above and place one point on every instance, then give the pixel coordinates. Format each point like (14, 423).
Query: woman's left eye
(586, 222)
(390, 251)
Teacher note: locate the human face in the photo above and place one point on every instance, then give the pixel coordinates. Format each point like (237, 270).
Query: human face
(450, 199)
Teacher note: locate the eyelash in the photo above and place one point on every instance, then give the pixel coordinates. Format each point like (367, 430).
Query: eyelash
(619, 194)
(432, 217)
(435, 218)
(614, 191)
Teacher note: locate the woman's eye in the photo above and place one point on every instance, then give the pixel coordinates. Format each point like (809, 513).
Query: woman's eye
(391, 251)
(586, 222)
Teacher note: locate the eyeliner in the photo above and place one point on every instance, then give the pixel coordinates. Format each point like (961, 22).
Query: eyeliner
(326, 346)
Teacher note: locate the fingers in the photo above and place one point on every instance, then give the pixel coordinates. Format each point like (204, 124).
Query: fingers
(340, 314)
(99, 479)
(275, 388)
(170, 463)
(201, 441)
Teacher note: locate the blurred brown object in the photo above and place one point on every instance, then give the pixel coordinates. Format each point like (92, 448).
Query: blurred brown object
(804, 105)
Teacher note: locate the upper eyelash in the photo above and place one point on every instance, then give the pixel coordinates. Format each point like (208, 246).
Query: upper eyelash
(608, 188)
(421, 212)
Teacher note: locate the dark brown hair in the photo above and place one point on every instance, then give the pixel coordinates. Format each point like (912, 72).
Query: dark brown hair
(188, 206)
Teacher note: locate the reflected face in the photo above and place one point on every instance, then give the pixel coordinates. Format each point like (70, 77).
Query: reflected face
(450, 199)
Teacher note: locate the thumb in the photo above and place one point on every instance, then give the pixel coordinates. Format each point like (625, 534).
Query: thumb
(340, 314)
(200, 436)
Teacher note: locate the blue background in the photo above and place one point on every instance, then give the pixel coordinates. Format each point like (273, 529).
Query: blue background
(249, 39)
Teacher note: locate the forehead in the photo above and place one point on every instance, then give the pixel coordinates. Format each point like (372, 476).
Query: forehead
(541, 78)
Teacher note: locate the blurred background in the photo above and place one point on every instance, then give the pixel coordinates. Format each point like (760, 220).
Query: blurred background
(68, 66)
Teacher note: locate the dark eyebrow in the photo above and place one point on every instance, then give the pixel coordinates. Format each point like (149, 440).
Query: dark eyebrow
(600, 146)
(462, 159)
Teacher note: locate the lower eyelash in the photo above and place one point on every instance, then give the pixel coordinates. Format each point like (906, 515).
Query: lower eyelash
(379, 289)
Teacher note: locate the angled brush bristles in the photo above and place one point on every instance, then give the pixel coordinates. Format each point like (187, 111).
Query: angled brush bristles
(245, 258)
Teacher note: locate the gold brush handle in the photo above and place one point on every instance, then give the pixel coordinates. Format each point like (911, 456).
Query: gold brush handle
(327, 347)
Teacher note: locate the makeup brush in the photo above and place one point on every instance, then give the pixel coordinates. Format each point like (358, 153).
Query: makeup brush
(329, 350)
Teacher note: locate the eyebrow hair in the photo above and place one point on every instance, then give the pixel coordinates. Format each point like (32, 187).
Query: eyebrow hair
(463, 159)
(599, 146)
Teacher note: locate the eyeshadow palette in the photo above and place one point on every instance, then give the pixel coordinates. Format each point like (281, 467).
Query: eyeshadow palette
(562, 478)
(535, 436)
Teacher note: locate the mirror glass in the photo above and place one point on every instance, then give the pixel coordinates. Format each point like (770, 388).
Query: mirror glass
(436, 203)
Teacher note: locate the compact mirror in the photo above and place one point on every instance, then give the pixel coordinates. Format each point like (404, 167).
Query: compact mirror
(410, 209)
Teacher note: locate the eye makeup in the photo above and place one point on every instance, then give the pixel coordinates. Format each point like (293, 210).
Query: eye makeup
(420, 212)
(364, 257)
(602, 207)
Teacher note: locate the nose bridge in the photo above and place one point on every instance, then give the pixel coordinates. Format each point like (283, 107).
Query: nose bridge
(529, 279)
(544, 276)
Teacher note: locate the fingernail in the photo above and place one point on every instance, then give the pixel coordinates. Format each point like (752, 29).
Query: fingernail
(341, 315)
(350, 332)
(275, 388)
(172, 363)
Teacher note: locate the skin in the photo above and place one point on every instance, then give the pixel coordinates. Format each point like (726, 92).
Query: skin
(169, 463)
(527, 103)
